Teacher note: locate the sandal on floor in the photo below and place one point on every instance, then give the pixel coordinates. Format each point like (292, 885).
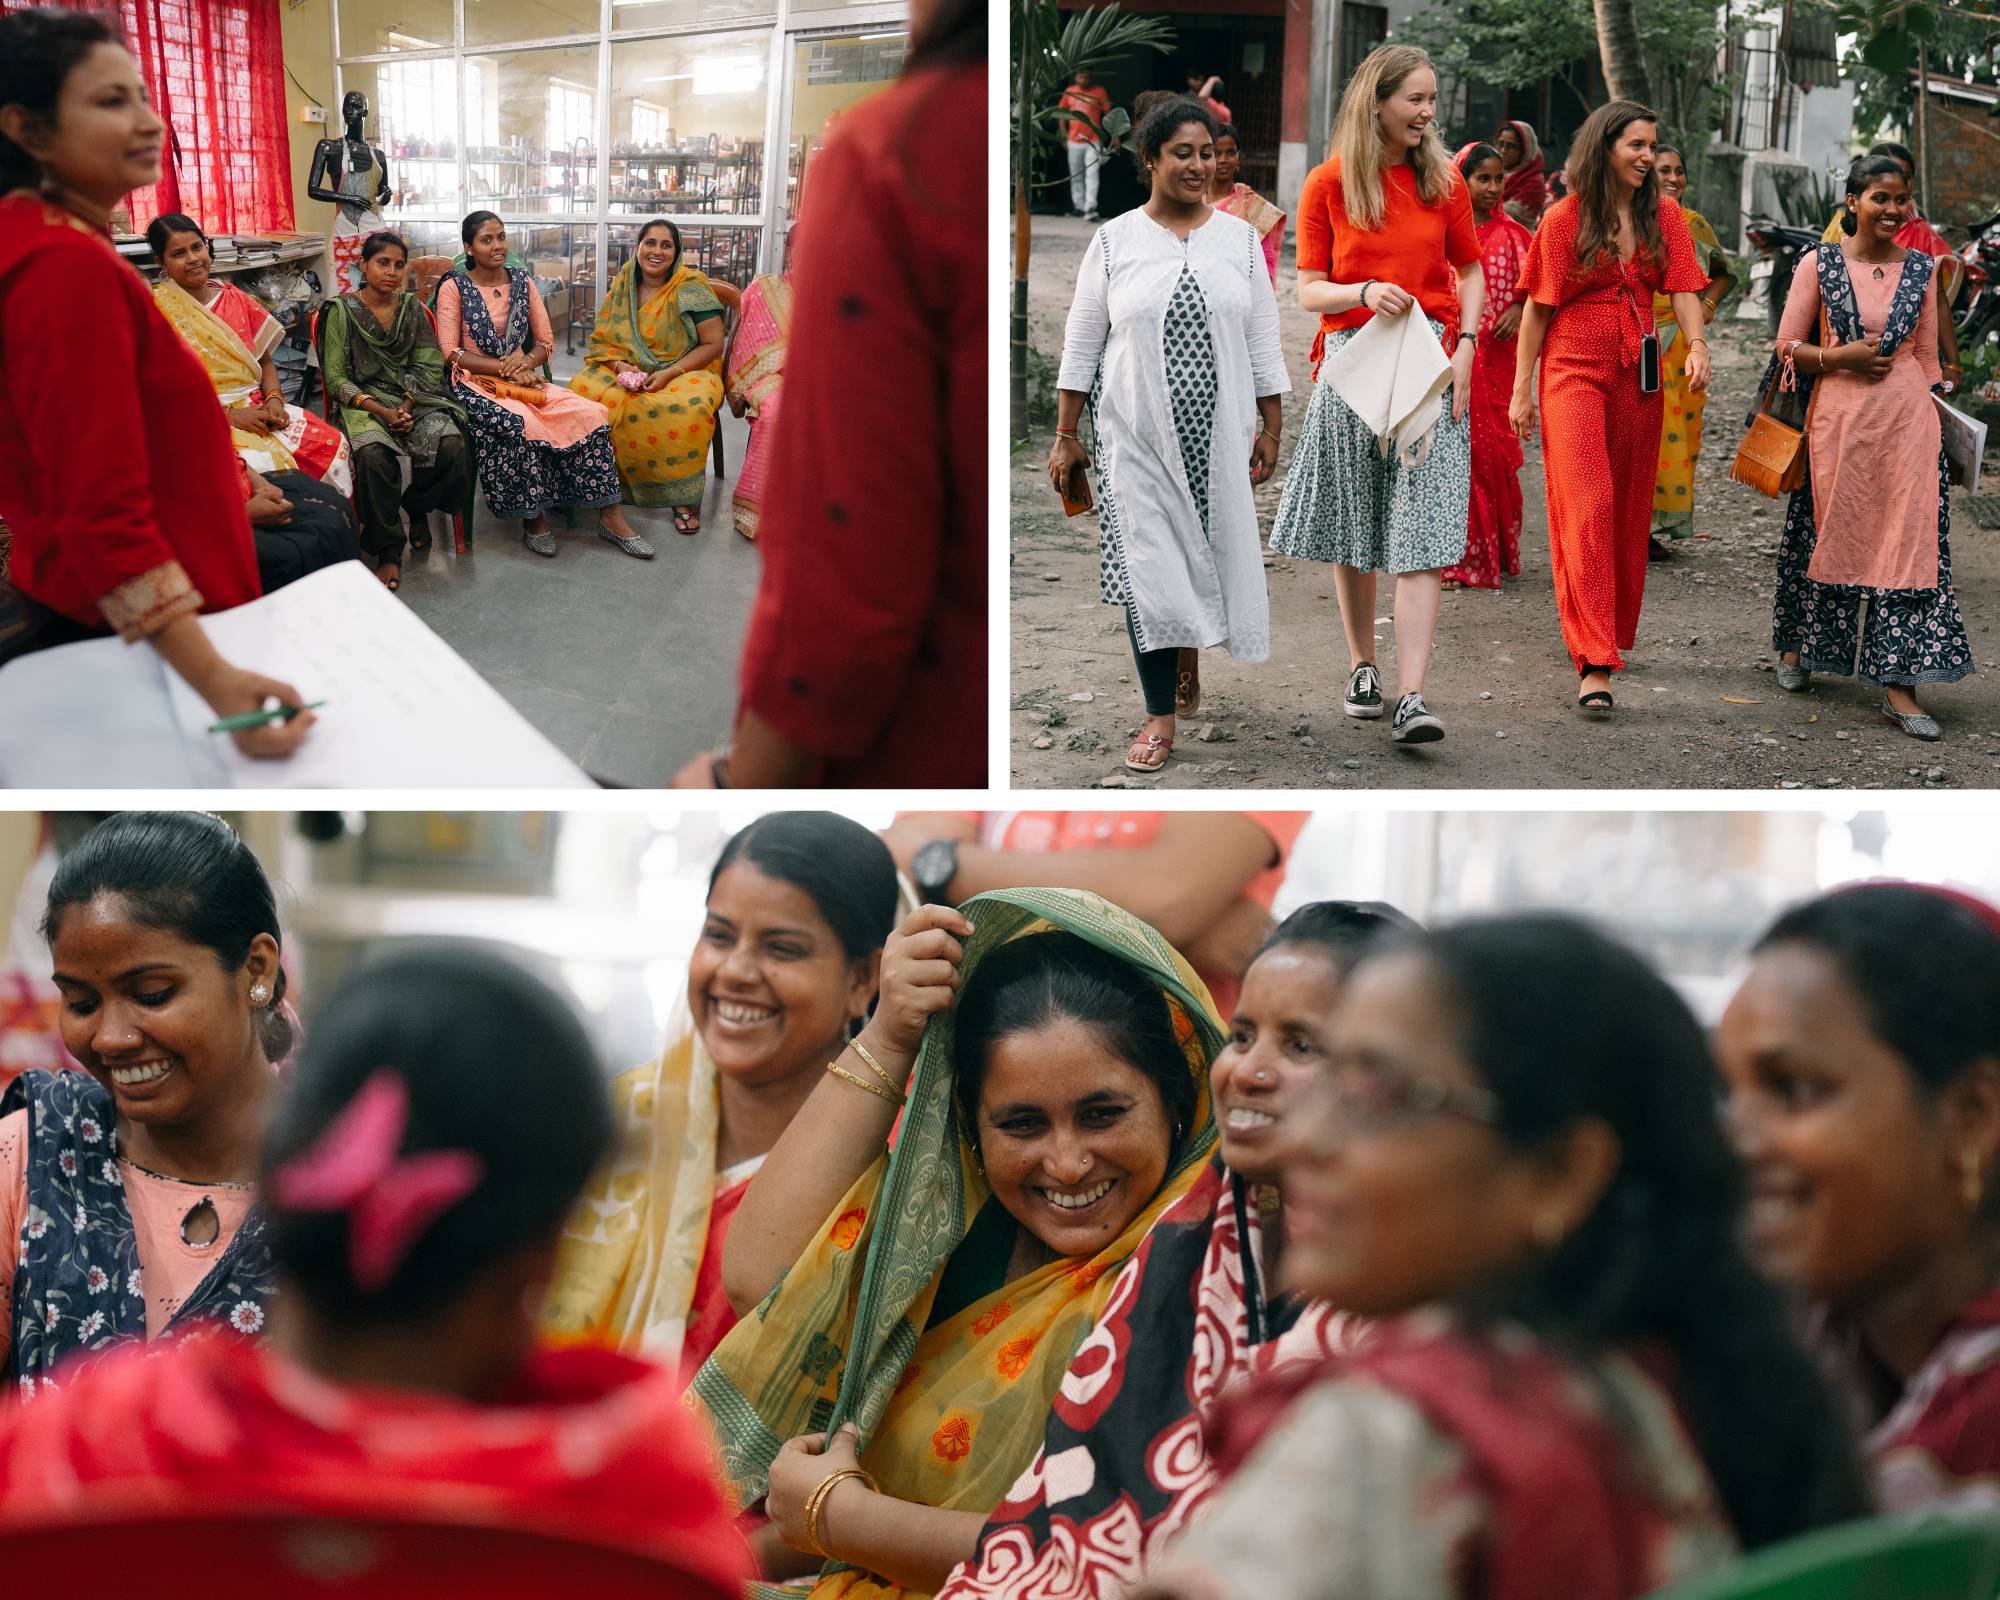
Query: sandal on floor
(687, 520)
(1187, 684)
(420, 535)
(391, 584)
(1596, 702)
(1149, 753)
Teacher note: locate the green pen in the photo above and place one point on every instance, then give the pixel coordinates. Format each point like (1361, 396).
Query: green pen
(244, 720)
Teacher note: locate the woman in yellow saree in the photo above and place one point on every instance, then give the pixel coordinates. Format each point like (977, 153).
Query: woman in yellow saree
(658, 338)
(919, 1309)
(799, 904)
(1680, 427)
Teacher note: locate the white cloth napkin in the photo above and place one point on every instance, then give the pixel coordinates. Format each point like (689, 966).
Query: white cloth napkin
(1393, 375)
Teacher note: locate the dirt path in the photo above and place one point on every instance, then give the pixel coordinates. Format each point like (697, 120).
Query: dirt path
(1697, 707)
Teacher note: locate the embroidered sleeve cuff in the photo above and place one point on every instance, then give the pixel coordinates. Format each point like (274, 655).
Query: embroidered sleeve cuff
(140, 607)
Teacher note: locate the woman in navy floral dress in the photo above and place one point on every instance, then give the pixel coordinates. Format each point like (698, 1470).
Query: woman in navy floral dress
(127, 1211)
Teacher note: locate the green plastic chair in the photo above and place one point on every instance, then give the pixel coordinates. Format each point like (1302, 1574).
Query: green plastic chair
(1935, 1555)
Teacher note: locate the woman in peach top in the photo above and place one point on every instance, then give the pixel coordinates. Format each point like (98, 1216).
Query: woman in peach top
(538, 445)
(126, 1203)
(1874, 519)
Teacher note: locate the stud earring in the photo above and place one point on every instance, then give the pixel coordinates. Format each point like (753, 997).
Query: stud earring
(259, 994)
(1972, 1186)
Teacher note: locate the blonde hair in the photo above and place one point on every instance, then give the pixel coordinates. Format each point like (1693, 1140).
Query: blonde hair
(1357, 138)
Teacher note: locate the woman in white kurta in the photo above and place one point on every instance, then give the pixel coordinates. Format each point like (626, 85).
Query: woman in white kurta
(1173, 340)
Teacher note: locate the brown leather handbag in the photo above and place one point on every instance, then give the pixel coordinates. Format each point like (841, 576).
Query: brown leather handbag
(1772, 457)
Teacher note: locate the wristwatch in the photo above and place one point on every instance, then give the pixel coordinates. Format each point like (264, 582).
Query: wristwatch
(933, 868)
(1466, 336)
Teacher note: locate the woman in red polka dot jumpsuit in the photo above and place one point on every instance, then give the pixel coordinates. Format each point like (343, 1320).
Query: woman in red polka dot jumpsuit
(1599, 257)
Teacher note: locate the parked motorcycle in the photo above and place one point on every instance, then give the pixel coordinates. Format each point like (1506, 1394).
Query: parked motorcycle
(1978, 305)
(1781, 245)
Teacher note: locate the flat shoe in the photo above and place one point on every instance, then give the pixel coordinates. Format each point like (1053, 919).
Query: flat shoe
(1918, 725)
(634, 546)
(1148, 753)
(543, 543)
(1793, 678)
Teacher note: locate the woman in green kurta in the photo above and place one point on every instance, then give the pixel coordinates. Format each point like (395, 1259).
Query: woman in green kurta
(651, 364)
(384, 369)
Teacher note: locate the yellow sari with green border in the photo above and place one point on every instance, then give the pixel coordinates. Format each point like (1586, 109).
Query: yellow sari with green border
(661, 438)
(1680, 423)
(951, 1414)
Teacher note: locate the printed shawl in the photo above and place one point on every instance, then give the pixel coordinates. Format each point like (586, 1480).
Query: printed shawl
(1123, 1465)
(79, 1289)
(949, 1414)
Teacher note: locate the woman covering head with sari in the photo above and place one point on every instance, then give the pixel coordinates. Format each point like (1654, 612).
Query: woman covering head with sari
(799, 905)
(233, 336)
(1197, 1308)
(1240, 200)
(384, 370)
(1524, 194)
(920, 1308)
(756, 369)
(652, 354)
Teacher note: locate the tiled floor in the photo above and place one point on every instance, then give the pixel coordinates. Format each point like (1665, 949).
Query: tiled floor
(628, 666)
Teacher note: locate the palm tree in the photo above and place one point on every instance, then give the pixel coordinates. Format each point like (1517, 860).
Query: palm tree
(1618, 49)
(1048, 51)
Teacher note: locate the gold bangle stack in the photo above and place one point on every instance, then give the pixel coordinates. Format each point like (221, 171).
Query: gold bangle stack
(816, 1502)
(885, 1089)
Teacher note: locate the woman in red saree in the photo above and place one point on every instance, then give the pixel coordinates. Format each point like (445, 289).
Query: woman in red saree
(1574, 1382)
(1863, 1089)
(1525, 193)
(446, 1112)
(1240, 200)
(1493, 511)
(115, 469)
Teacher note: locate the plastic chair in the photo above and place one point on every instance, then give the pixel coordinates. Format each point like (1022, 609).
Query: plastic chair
(732, 309)
(1925, 1556)
(177, 1557)
(461, 520)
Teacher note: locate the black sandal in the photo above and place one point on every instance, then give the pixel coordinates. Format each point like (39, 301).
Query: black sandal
(1597, 699)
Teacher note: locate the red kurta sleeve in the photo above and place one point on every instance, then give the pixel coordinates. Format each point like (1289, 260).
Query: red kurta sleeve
(1315, 244)
(855, 523)
(1684, 273)
(65, 328)
(1461, 233)
(1552, 254)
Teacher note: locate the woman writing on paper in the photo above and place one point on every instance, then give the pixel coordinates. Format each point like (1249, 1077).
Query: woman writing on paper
(1872, 523)
(116, 474)
(1172, 340)
(1385, 229)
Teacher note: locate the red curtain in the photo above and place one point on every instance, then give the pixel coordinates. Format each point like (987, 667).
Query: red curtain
(216, 72)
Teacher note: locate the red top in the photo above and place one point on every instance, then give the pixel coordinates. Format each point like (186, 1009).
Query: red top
(867, 644)
(117, 474)
(711, 1316)
(1418, 247)
(584, 1442)
(1088, 126)
(1553, 276)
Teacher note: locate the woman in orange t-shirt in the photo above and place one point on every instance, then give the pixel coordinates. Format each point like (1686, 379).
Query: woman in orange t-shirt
(1385, 225)
(1599, 257)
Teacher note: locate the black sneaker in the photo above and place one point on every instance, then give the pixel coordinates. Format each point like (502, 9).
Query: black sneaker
(1364, 692)
(1414, 723)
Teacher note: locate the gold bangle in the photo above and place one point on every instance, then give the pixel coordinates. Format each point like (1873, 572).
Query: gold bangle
(874, 1066)
(816, 1502)
(875, 1089)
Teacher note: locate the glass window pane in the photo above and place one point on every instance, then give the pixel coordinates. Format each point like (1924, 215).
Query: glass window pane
(687, 125)
(724, 255)
(506, 21)
(413, 116)
(531, 131)
(629, 15)
(830, 74)
(375, 27)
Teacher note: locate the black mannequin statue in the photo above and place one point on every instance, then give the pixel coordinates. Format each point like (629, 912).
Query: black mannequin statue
(353, 176)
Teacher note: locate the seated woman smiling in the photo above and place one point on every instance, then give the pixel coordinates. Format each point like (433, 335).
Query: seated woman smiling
(919, 1308)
